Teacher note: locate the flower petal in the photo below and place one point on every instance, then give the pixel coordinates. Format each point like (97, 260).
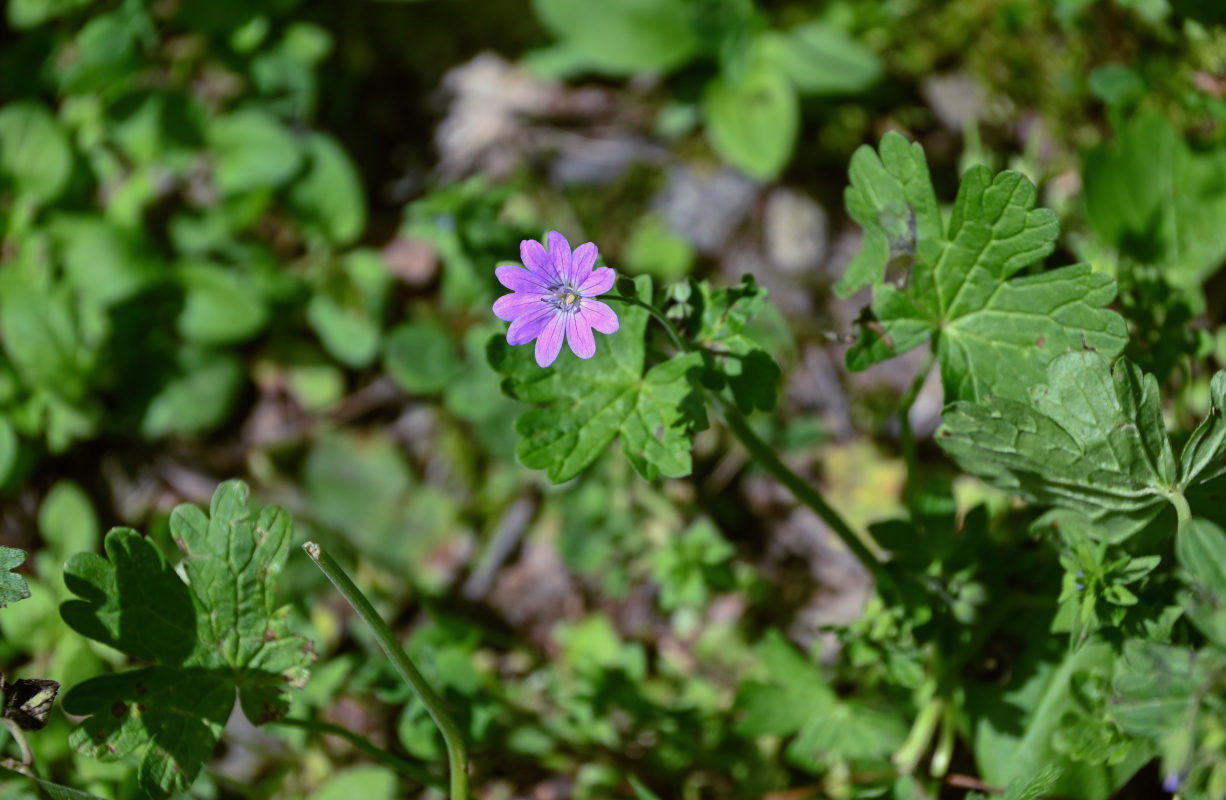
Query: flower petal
(600, 282)
(513, 306)
(559, 252)
(518, 279)
(599, 316)
(579, 335)
(526, 328)
(581, 263)
(536, 259)
(550, 342)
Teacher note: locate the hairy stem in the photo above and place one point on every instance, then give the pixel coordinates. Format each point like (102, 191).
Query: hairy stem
(457, 756)
(414, 771)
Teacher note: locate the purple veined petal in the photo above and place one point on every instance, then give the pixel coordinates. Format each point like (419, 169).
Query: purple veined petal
(600, 282)
(518, 279)
(581, 263)
(537, 260)
(579, 335)
(526, 328)
(549, 343)
(559, 251)
(599, 316)
(512, 306)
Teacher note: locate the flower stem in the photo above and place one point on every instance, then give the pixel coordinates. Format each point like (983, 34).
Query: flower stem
(1183, 511)
(456, 755)
(906, 434)
(414, 771)
(765, 455)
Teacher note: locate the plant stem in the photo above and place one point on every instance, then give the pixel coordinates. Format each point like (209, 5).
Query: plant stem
(456, 755)
(27, 755)
(765, 455)
(1182, 510)
(671, 329)
(906, 434)
(414, 771)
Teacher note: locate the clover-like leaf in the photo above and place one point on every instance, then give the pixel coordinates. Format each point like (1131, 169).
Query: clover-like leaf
(215, 636)
(1092, 440)
(992, 334)
(13, 587)
(586, 403)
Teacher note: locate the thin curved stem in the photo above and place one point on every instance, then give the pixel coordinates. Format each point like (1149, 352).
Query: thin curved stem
(414, 771)
(765, 455)
(671, 329)
(457, 755)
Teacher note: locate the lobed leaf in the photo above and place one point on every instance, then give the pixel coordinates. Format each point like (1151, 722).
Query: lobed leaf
(992, 334)
(1092, 440)
(13, 587)
(208, 637)
(586, 403)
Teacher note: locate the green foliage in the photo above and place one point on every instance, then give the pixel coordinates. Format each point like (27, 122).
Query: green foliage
(622, 36)
(1092, 440)
(13, 587)
(992, 335)
(215, 634)
(819, 58)
(691, 566)
(720, 323)
(1156, 201)
(752, 119)
(589, 402)
(797, 702)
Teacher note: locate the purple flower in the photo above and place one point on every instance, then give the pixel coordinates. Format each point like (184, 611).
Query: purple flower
(553, 298)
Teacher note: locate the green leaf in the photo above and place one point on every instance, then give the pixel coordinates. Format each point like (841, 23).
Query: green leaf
(1014, 730)
(731, 356)
(9, 448)
(39, 330)
(198, 399)
(368, 782)
(1200, 547)
(992, 335)
(752, 120)
(588, 402)
(822, 59)
(220, 306)
(421, 357)
(252, 150)
(1092, 440)
(1206, 447)
(892, 198)
(213, 635)
(34, 151)
(1158, 202)
(105, 263)
(13, 587)
(43, 788)
(348, 333)
(67, 521)
(623, 37)
(1158, 686)
(329, 195)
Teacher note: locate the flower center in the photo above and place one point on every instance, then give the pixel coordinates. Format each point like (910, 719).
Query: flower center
(565, 297)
